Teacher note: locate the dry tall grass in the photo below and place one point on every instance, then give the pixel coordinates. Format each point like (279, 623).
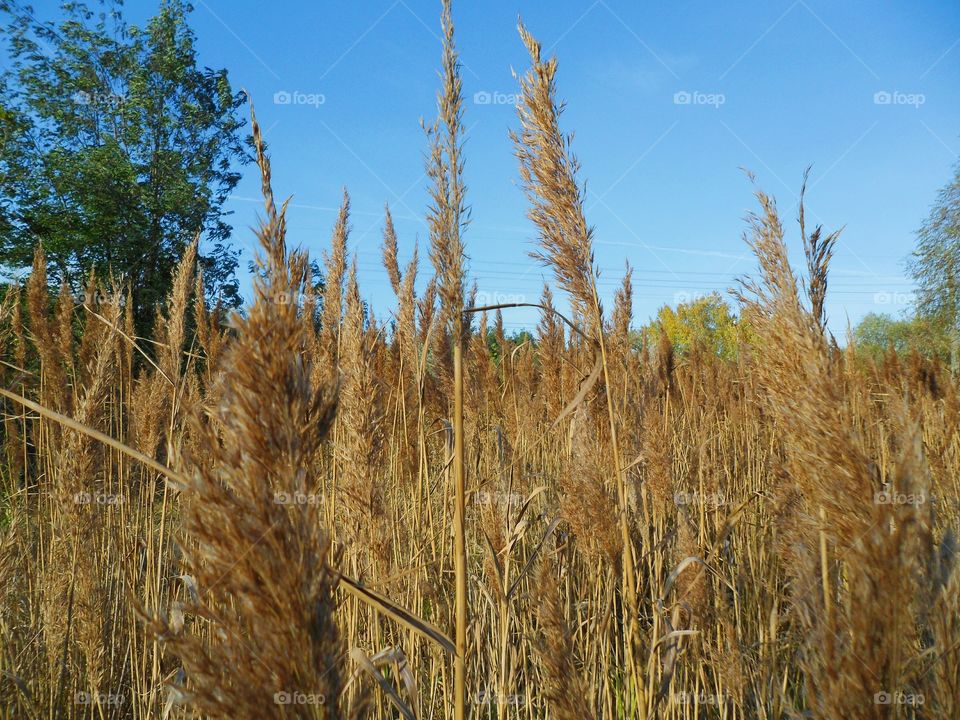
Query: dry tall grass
(257, 516)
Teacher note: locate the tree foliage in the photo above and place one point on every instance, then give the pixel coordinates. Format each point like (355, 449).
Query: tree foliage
(935, 264)
(118, 149)
(706, 322)
(877, 333)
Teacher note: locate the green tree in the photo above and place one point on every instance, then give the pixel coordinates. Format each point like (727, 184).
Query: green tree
(707, 322)
(876, 333)
(117, 150)
(935, 266)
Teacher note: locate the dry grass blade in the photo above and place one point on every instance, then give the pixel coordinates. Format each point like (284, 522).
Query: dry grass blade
(396, 612)
(72, 424)
(360, 657)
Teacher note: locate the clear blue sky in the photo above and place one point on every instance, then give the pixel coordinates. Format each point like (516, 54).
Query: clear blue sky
(772, 86)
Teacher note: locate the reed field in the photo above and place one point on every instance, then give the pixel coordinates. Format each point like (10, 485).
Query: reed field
(306, 510)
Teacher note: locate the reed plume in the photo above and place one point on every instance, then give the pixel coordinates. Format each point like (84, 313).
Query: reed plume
(548, 171)
(261, 568)
(448, 212)
(390, 252)
(818, 250)
(361, 416)
(335, 263)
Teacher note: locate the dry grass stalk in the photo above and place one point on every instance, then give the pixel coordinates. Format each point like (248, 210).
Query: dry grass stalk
(265, 614)
(563, 690)
(548, 171)
(335, 264)
(390, 252)
(361, 417)
(448, 210)
(818, 250)
(446, 219)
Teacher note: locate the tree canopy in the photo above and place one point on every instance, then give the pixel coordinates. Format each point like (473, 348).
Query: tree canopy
(117, 150)
(877, 333)
(706, 322)
(935, 264)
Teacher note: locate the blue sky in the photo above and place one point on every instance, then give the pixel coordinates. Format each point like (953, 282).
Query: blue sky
(668, 101)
